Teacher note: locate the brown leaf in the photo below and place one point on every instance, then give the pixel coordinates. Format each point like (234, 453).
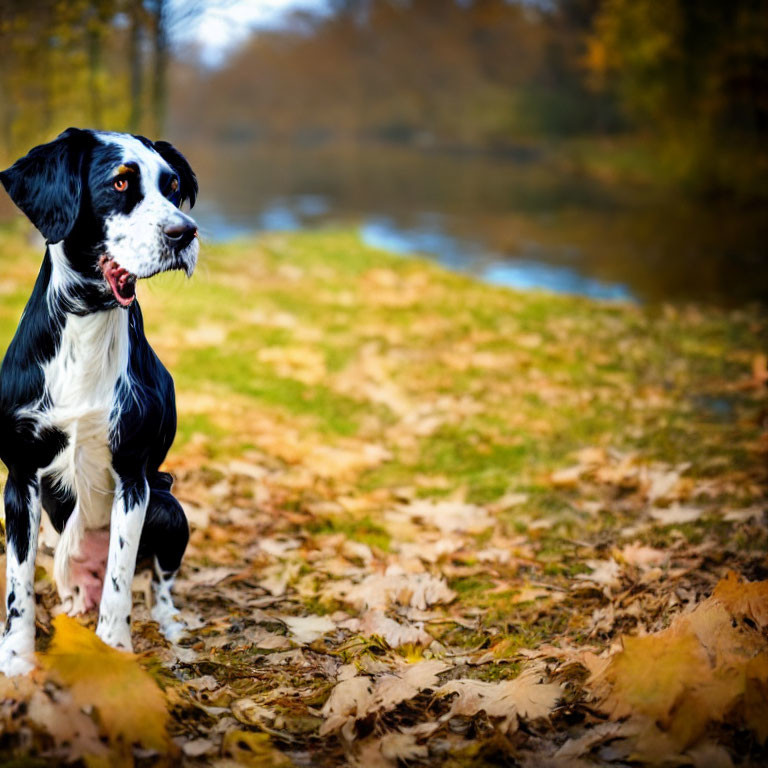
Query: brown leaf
(393, 632)
(526, 696)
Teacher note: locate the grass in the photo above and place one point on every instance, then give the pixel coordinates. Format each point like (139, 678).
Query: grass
(486, 387)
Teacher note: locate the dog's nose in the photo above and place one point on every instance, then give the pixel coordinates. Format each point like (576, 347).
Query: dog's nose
(179, 234)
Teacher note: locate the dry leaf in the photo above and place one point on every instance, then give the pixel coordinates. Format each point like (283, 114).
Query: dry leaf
(130, 706)
(604, 572)
(402, 746)
(307, 629)
(349, 701)
(675, 515)
(394, 633)
(642, 556)
(450, 516)
(355, 698)
(703, 669)
(526, 696)
(744, 599)
(416, 590)
(406, 683)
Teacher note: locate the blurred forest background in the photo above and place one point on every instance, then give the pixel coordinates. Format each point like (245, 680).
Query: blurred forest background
(388, 108)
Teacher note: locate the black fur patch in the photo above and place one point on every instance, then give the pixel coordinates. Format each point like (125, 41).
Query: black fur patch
(47, 183)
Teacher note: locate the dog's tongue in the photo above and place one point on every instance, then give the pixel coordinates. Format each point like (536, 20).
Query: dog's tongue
(121, 281)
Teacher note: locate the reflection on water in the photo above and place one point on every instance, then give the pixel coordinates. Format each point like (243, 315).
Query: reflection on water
(516, 223)
(527, 270)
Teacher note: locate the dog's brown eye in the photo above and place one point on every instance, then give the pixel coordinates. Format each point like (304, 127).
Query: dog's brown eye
(174, 185)
(121, 185)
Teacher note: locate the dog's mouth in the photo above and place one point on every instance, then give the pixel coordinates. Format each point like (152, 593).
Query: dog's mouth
(121, 281)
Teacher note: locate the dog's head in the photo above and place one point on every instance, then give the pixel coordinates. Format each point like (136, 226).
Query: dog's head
(114, 200)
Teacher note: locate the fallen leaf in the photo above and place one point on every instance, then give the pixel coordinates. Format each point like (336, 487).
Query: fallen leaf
(393, 632)
(526, 697)
(402, 746)
(357, 697)
(130, 705)
(604, 572)
(642, 556)
(349, 701)
(744, 599)
(406, 683)
(675, 514)
(450, 516)
(256, 749)
(307, 629)
(705, 668)
(416, 590)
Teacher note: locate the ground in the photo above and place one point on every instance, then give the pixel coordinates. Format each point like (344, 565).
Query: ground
(434, 523)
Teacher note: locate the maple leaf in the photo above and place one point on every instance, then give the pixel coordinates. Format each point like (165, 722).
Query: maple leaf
(703, 669)
(642, 556)
(131, 707)
(744, 599)
(354, 698)
(406, 683)
(379, 590)
(393, 632)
(526, 696)
(348, 701)
(651, 673)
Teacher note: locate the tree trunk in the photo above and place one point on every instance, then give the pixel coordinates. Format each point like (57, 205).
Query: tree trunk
(135, 67)
(160, 12)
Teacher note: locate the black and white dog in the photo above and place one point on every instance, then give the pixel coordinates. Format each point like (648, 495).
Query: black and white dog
(87, 411)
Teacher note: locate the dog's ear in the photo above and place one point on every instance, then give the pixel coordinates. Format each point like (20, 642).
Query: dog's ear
(47, 183)
(187, 178)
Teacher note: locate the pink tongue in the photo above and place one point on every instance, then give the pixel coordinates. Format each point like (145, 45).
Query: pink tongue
(123, 287)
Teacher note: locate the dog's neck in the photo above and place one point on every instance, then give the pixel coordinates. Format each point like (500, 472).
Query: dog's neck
(70, 292)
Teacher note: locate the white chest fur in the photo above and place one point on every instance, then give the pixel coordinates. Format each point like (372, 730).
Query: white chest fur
(81, 383)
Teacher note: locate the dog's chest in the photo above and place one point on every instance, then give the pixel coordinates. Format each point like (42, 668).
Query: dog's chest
(81, 384)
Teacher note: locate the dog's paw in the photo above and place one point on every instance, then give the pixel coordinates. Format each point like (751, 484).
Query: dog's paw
(15, 659)
(115, 632)
(171, 626)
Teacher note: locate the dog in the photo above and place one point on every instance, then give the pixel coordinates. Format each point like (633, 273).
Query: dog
(87, 410)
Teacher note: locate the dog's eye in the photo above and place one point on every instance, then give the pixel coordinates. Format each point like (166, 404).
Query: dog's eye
(120, 184)
(174, 185)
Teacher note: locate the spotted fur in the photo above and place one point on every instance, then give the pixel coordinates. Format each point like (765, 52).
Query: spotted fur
(87, 411)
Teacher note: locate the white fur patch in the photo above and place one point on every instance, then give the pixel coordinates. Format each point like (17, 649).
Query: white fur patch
(17, 647)
(81, 382)
(164, 612)
(63, 278)
(114, 626)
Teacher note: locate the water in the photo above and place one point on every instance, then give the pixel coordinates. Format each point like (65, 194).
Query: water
(510, 221)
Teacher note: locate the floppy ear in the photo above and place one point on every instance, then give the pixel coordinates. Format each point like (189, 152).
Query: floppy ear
(46, 184)
(177, 161)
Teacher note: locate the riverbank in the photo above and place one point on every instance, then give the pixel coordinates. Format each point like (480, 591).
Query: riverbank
(403, 483)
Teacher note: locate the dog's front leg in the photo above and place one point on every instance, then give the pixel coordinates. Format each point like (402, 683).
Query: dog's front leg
(128, 512)
(22, 523)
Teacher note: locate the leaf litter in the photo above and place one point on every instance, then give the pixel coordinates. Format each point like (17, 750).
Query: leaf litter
(407, 590)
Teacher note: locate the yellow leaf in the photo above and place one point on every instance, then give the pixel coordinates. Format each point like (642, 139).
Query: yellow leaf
(650, 673)
(249, 748)
(747, 599)
(130, 706)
